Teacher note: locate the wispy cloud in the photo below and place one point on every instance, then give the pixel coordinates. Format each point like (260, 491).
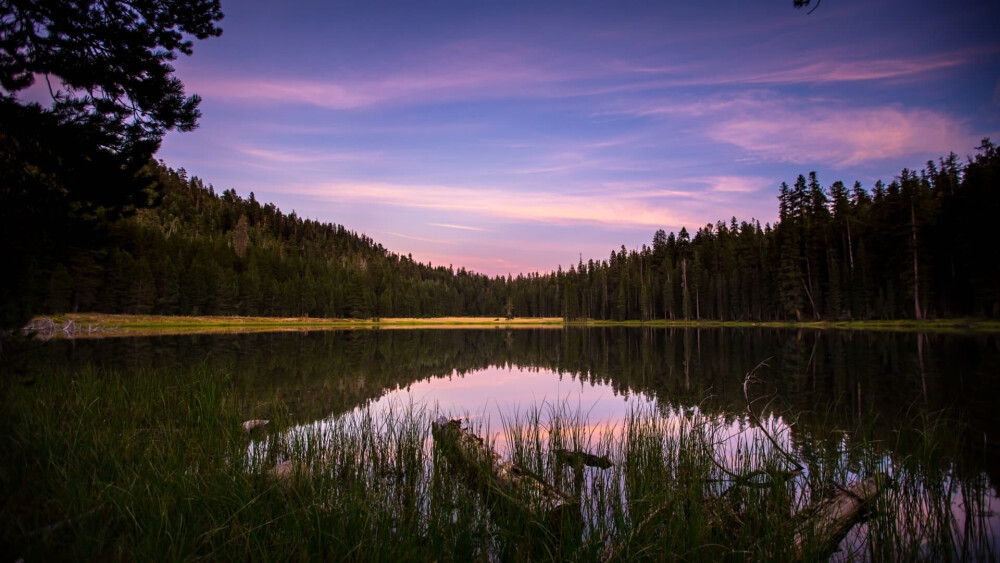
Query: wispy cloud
(569, 126)
(489, 70)
(687, 106)
(459, 227)
(814, 66)
(735, 184)
(420, 239)
(306, 156)
(850, 70)
(783, 128)
(703, 189)
(559, 208)
(462, 70)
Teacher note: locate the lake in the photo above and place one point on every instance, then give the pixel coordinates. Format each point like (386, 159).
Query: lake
(816, 390)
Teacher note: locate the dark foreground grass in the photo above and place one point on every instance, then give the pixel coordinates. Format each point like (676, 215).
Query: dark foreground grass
(107, 465)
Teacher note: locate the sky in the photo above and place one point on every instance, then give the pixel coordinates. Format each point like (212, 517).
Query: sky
(509, 137)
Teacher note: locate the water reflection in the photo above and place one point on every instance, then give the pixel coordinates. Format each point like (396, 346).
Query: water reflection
(832, 384)
(493, 400)
(827, 380)
(495, 394)
(511, 406)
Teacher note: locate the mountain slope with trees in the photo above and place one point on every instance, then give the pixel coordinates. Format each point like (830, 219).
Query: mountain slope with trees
(921, 246)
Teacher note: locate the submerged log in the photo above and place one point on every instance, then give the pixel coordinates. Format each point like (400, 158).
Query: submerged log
(502, 481)
(577, 458)
(828, 521)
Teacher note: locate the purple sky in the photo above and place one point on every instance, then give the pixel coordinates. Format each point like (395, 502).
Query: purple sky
(515, 137)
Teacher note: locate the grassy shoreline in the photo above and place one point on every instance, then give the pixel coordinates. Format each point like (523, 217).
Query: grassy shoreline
(99, 325)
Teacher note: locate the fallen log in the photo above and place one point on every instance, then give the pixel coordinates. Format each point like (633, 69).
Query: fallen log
(827, 522)
(577, 458)
(502, 481)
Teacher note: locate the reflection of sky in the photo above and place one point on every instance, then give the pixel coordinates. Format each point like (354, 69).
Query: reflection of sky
(494, 397)
(491, 396)
(507, 137)
(975, 519)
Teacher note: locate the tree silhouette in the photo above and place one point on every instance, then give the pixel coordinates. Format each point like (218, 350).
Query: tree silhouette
(75, 162)
(804, 4)
(106, 64)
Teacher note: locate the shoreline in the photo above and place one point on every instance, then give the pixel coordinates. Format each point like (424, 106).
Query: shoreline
(99, 325)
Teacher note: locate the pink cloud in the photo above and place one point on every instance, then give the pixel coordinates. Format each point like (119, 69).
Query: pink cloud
(791, 129)
(459, 227)
(849, 70)
(736, 184)
(841, 136)
(358, 93)
(475, 263)
(456, 71)
(606, 208)
(814, 67)
(301, 156)
(485, 70)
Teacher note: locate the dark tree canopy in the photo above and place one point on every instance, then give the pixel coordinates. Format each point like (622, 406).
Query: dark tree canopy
(805, 3)
(106, 63)
(69, 166)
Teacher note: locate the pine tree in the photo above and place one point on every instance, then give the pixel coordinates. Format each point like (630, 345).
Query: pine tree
(60, 290)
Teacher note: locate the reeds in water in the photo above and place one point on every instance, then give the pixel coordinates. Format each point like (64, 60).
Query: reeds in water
(156, 465)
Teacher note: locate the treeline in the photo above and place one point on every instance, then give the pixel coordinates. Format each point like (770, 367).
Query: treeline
(195, 252)
(924, 245)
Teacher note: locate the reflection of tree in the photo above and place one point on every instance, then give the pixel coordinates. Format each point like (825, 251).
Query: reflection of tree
(828, 382)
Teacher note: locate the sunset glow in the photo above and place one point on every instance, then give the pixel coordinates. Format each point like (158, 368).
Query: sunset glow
(510, 137)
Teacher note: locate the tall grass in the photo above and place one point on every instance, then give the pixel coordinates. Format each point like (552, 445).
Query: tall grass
(155, 465)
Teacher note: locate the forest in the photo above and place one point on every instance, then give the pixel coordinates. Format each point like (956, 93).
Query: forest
(921, 246)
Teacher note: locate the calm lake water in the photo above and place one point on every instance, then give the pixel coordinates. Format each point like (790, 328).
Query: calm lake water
(827, 382)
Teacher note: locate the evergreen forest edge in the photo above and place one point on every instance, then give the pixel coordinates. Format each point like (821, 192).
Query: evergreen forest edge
(922, 246)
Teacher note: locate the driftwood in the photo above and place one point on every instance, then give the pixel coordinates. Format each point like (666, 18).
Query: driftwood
(827, 522)
(250, 425)
(577, 458)
(503, 481)
(45, 329)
